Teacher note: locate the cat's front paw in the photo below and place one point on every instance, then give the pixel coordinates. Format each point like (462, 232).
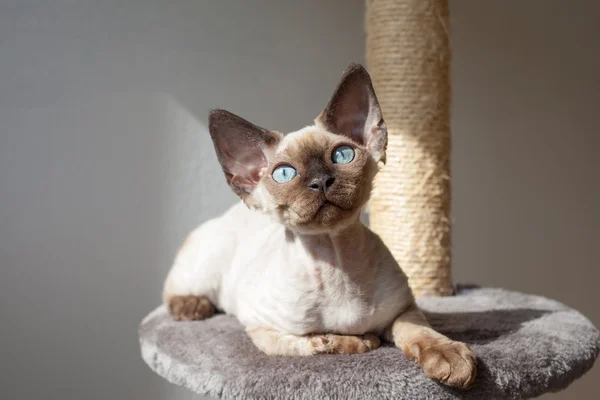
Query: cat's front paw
(190, 308)
(452, 363)
(338, 344)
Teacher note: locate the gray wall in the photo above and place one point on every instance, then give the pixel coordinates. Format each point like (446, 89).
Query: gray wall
(105, 163)
(526, 186)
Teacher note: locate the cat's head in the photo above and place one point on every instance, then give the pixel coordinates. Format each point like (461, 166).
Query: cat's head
(316, 179)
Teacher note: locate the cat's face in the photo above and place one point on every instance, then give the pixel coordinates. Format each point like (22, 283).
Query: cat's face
(316, 179)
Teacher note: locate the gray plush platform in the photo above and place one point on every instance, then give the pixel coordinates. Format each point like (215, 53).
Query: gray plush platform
(526, 345)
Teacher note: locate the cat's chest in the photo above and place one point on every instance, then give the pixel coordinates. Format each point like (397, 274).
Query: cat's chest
(305, 288)
(338, 303)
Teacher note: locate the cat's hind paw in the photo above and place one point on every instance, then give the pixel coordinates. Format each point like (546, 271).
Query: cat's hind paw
(190, 308)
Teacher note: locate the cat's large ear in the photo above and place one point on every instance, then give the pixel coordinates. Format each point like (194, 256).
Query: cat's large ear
(354, 111)
(243, 149)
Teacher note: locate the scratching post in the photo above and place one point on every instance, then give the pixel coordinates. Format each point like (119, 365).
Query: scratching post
(408, 55)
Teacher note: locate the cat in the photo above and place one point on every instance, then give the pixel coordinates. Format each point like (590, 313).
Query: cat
(293, 261)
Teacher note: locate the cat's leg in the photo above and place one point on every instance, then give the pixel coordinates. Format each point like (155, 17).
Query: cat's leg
(452, 363)
(278, 343)
(192, 285)
(186, 301)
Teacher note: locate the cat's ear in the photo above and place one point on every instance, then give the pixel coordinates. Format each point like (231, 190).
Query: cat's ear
(354, 111)
(243, 149)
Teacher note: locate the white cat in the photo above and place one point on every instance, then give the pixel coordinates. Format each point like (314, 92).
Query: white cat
(293, 262)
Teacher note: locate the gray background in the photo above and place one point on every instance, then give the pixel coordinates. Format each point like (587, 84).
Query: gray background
(105, 162)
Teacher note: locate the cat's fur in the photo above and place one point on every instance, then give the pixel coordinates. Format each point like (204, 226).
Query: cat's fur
(292, 261)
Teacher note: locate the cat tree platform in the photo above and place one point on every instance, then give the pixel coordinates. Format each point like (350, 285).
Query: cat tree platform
(526, 345)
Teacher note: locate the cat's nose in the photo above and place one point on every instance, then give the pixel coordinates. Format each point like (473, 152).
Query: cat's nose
(321, 183)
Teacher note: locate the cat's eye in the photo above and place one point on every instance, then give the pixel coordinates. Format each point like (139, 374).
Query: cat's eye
(343, 155)
(284, 174)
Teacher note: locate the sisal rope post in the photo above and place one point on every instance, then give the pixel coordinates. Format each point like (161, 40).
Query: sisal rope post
(408, 55)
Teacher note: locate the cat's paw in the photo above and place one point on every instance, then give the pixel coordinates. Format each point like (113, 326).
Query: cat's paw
(190, 308)
(452, 363)
(338, 344)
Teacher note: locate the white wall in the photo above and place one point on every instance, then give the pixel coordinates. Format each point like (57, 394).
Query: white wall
(105, 162)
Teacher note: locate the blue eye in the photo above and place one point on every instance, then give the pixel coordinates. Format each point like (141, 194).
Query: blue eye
(343, 155)
(284, 174)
